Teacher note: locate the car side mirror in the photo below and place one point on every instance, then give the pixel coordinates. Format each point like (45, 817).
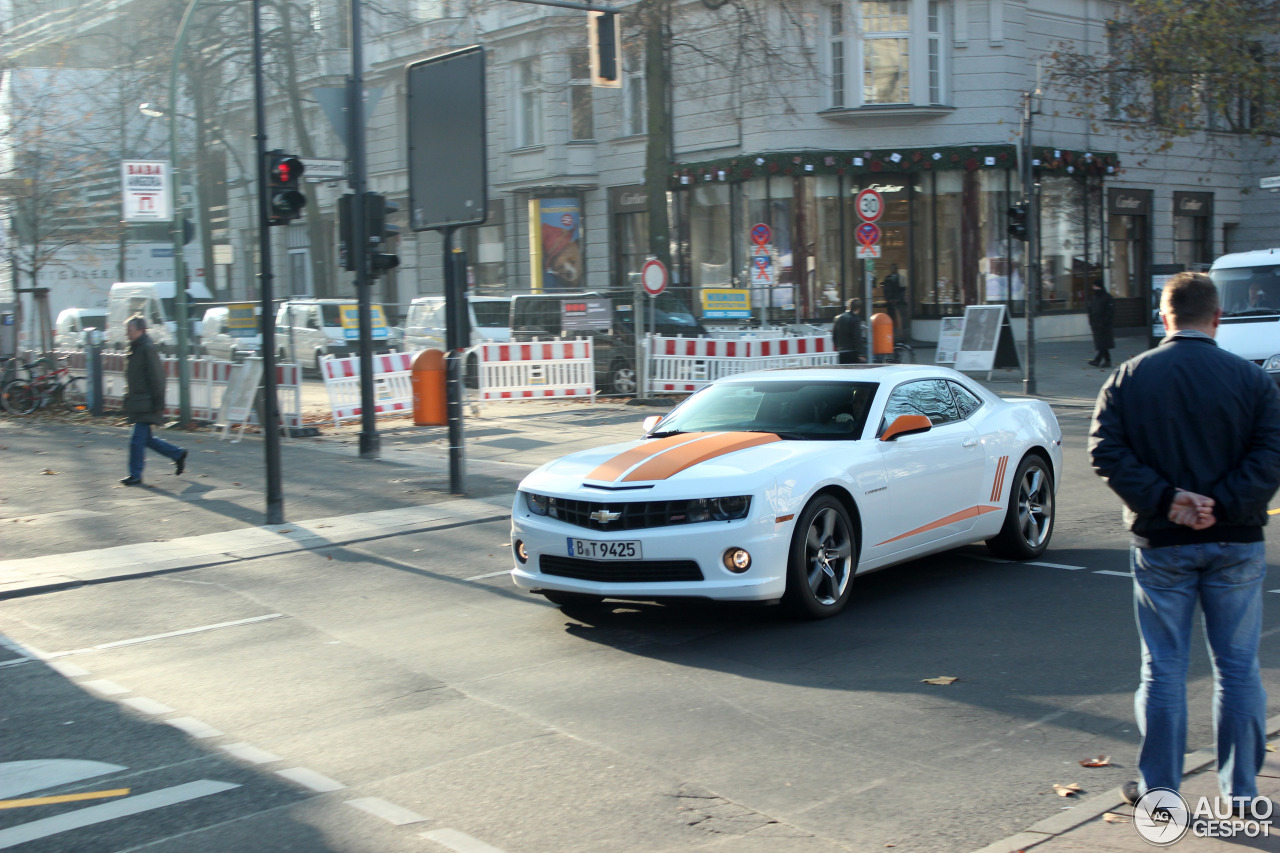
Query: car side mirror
(906, 425)
(651, 422)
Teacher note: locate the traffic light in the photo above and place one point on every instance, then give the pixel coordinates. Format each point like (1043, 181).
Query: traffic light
(377, 208)
(1018, 222)
(346, 257)
(602, 37)
(284, 177)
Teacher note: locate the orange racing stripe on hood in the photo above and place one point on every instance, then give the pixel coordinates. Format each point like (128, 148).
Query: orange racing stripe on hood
(624, 462)
(708, 446)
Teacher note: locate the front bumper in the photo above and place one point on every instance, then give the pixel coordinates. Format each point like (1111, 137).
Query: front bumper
(665, 550)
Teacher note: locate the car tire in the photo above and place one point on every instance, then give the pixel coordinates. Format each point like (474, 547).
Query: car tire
(622, 378)
(1028, 522)
(822, 560)
(571, 599)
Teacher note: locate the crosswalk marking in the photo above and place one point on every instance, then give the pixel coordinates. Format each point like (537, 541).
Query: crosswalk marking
(459, 842)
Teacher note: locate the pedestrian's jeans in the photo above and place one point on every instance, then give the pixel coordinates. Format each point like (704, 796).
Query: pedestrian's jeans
(1227, 578)
(138, 444)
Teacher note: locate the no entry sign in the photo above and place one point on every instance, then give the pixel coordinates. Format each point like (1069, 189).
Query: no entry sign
(653, 276)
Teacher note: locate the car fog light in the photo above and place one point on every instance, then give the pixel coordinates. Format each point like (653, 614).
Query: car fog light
(737, 560)
(522, 554)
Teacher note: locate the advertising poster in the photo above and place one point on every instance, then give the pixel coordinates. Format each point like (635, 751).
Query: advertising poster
(556, 244)
(718, 303)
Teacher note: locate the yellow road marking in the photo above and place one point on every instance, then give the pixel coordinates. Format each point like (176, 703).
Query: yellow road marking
(1273, 511)
(63, 798)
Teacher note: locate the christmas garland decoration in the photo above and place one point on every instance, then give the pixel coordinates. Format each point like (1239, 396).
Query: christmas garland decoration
(888, 162)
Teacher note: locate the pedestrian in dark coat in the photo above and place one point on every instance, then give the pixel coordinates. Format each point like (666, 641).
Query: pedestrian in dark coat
(1102, 315)
(846, 334)
(144, 402)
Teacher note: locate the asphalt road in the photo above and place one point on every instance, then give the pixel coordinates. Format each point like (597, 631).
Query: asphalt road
(458, 713)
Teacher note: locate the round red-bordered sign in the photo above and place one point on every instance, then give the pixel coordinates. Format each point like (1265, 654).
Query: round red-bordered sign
(653, 276)
(870, 205)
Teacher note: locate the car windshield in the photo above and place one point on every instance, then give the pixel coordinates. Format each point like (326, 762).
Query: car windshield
(1245, 291)
(492, 315)
(800, 409)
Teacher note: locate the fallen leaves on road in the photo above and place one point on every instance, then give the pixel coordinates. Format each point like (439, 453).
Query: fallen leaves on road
(1271, 747)
(941, 679)
(1112, 817)
(49, 471)
(1100, 761)
(1068, 790)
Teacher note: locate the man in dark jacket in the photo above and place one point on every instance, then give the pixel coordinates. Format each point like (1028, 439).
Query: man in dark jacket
(846, 334)
(1102, 314)
(1188, 436)
(144, 402)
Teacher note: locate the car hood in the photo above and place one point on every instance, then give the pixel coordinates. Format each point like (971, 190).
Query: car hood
(671, 463)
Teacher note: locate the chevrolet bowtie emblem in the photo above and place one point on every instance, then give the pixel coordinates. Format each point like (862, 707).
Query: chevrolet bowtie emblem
(604, 516)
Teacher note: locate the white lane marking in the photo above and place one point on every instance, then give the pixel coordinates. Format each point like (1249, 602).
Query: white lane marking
(104, 687)
(317, 782)
(1117, 574)
(147, 706)
(1273, 590)
(389, 812)
(1059, 566)
(251, 754)
(194, 727)
(490, 575)
(459, 841)
(18, 662)
(23, 777)
(80, 818)
(68, 669)
(153, 637)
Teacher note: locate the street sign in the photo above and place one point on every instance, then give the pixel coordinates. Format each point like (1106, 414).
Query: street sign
(872, 251)
(653, 276)
(146, 192)
(868, 234)
(870, 205)
(761, 234)
(762, 270)
(317, 169)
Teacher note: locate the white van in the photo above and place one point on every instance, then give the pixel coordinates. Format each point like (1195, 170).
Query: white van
(153, 300)
(307, 329)
(232, 332)
(490, 320)
(1249, 292)
(72, 323)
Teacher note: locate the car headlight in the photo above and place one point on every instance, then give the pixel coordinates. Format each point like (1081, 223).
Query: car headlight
(1272, 364)
(540, 504)
(717, 509)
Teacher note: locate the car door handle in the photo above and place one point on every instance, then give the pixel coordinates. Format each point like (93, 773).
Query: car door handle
(970, 442)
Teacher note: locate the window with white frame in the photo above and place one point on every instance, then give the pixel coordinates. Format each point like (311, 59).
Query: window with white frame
(581, 119)
(529, 111)
(887, 52)
(635, 104)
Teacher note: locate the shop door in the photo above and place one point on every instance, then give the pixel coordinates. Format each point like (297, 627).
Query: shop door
(890, 274)
(1129, 232)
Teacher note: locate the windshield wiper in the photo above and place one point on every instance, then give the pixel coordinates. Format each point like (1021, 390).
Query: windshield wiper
(787, 436)
(665, 433)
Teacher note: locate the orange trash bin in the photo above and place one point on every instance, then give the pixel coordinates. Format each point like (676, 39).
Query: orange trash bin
(427, 379)
(881, 334)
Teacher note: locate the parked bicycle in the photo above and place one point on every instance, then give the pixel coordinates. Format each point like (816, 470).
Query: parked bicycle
(15, 369)
(24, 396)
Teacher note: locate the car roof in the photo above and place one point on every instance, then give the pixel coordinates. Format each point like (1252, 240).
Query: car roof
(849, 373)
(1256, 258)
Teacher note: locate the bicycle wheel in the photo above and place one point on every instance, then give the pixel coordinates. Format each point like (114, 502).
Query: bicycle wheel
(72, 392)
(19, 398)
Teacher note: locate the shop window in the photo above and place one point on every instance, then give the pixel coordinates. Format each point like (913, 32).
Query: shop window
(827, 280)
(1193, 229)
(709, 235)
(581, 120)
(529, 113)
(486, 257)
(632, 242)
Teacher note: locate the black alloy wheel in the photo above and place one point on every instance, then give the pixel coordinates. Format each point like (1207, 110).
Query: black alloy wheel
(1028, 522)
(823, 558)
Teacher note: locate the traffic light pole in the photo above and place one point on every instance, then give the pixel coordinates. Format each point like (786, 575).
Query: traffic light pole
(271, 407)
(370, 442)
(176, 226)
(1032, 298)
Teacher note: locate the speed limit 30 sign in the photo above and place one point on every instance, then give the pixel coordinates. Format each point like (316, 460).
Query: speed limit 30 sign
(870, 205)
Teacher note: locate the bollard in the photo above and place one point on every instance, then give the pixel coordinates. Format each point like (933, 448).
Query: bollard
(93, 369)
(427, 379)
(881, 334)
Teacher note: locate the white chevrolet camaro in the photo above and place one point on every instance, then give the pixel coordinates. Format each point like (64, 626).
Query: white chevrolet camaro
(781, 485)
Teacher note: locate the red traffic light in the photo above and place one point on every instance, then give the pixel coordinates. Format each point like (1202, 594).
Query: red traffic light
(284, 171)
(284, 201)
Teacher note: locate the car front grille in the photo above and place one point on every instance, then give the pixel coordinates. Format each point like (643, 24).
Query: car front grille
(619, 571)
(635, 515)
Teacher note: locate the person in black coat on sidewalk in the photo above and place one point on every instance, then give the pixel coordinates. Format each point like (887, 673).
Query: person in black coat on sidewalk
(144, 402)
(846, 334)
(1102, 315)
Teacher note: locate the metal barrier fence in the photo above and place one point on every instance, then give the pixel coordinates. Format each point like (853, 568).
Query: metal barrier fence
(683, 365)
(537, 370)
(393, 389)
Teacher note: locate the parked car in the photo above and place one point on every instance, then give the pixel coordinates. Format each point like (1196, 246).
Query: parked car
(781, 485)
(307, 329)
(72, 323)
(232, 332)
(606, 318)
(1249, 292)
(489, 316)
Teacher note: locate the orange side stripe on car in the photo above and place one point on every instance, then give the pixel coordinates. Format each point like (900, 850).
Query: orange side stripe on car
(624, 462)
(950, 519)
(677, 459)
(998, 486)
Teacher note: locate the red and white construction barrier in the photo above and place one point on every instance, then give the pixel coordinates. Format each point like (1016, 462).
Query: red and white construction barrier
(393, 389)
(683, 365)
(536, 370)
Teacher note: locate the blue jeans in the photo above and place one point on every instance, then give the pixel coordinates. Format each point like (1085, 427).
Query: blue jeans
(138, 444)
(1227, 579)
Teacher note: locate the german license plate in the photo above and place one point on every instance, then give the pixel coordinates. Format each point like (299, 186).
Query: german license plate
(591, 550)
